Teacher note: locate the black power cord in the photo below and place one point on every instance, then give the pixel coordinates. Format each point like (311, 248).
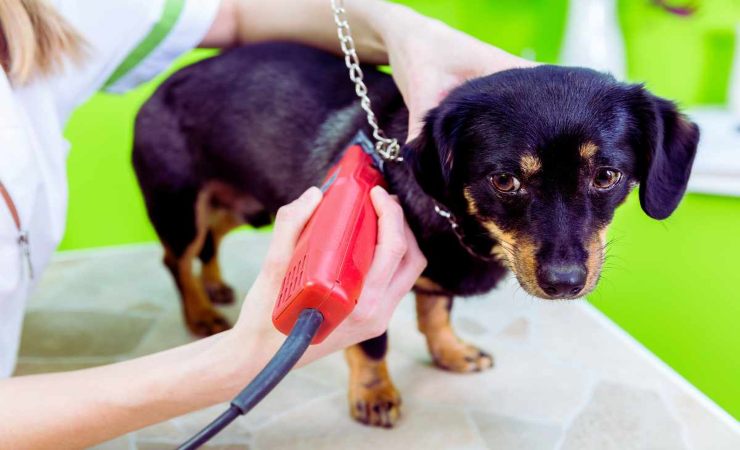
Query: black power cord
(287, 356)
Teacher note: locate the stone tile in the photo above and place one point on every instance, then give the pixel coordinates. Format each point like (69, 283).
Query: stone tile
(524, 383)
(113, 280)
(295, 390)
(330, 371)
(167, 331)
(325, 424)
(566, 331)
(470, 326)
(704, 429)
(501, 432)
(121, 443)
(548, 358)
(49, 333)
(519, 330)
(619, 417)
(493, 312)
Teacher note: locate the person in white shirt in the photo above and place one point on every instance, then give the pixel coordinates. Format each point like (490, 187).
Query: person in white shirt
(55, 54)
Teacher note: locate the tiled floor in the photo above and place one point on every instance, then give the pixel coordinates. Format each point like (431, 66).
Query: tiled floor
(565, 377)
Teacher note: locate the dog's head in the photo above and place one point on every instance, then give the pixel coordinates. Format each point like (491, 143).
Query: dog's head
(533, 162)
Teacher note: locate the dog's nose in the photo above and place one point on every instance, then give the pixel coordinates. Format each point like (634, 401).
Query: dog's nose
(561, 281)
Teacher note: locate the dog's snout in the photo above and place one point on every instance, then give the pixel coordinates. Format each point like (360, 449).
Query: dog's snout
(560, 281)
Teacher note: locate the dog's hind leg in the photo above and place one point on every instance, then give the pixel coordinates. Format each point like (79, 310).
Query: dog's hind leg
(373, 399)
(448, 351)
(183, 231)
(220, 222)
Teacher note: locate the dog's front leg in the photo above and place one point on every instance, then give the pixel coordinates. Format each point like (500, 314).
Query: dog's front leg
(448, 351)
(373, 399)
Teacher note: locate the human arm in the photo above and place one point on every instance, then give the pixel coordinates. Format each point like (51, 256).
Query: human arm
(427, 62)
(81, 408)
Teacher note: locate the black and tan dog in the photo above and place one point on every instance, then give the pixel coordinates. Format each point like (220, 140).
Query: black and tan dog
(531, 162)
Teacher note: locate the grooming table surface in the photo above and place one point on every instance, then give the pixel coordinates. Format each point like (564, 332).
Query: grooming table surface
(565, 377)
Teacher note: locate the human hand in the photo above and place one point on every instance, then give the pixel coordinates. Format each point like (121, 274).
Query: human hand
(396, 265)
(433, 59)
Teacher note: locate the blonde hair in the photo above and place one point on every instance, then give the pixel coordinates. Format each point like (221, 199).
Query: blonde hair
(35, 39)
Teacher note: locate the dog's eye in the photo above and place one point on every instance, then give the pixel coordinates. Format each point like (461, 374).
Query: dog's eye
(505, 182)
(606, 178)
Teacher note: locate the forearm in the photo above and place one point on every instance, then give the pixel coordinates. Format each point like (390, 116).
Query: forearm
(311, 22)
(78, 409)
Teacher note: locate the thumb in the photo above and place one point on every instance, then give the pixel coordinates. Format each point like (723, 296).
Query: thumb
(289, 223)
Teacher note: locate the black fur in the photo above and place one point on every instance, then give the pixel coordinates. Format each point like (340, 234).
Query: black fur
(376, 347)
(269, 120)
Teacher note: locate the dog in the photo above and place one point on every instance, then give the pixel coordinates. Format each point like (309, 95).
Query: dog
(531, 163)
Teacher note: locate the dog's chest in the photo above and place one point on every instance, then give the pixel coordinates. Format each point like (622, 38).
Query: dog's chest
(455, 270)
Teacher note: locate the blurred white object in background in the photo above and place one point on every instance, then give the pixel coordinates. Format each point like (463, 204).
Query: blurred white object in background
(593, 38)
(717, 165)
(734, 93)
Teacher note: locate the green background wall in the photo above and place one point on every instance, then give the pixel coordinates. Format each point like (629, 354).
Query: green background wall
(671, 284)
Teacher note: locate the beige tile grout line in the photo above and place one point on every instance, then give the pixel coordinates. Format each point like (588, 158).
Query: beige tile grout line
(662, 367)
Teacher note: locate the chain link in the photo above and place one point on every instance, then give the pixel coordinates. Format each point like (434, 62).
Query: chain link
(386, 147)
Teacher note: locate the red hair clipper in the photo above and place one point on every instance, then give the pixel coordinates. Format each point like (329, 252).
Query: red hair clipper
(335, 249)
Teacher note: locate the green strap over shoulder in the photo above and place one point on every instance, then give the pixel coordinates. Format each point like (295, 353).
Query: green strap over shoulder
(170, 14)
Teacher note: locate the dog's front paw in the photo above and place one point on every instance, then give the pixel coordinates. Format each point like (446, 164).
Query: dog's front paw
(220, 294)
(458, 356)
(378, 405)
(206, 322)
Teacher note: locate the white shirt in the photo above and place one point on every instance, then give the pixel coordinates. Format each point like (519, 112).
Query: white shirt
(129, 42)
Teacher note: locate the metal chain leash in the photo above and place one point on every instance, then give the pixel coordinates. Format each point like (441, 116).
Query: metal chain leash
(387, 148)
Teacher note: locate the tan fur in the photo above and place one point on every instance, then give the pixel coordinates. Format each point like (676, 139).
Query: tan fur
(448, 351)
(498, 233)
(588, 150)
(501, 251)
(525, 267)
(530, 164)
(373, 398)
(472, 205)
(596, 252)
(220, 222)
(427, 284)
(200, 315)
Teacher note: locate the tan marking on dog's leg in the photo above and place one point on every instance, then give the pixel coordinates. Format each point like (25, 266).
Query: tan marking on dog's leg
(588, 150)
(530, 164)
(426, 284)
(220, 223)
(448, 351)
(200, 316)
(373, 399)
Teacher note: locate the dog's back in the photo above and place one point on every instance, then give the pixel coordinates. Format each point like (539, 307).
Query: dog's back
(248, 112)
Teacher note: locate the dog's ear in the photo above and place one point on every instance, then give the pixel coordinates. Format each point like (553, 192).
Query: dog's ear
(430, 155)
(666, 146)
